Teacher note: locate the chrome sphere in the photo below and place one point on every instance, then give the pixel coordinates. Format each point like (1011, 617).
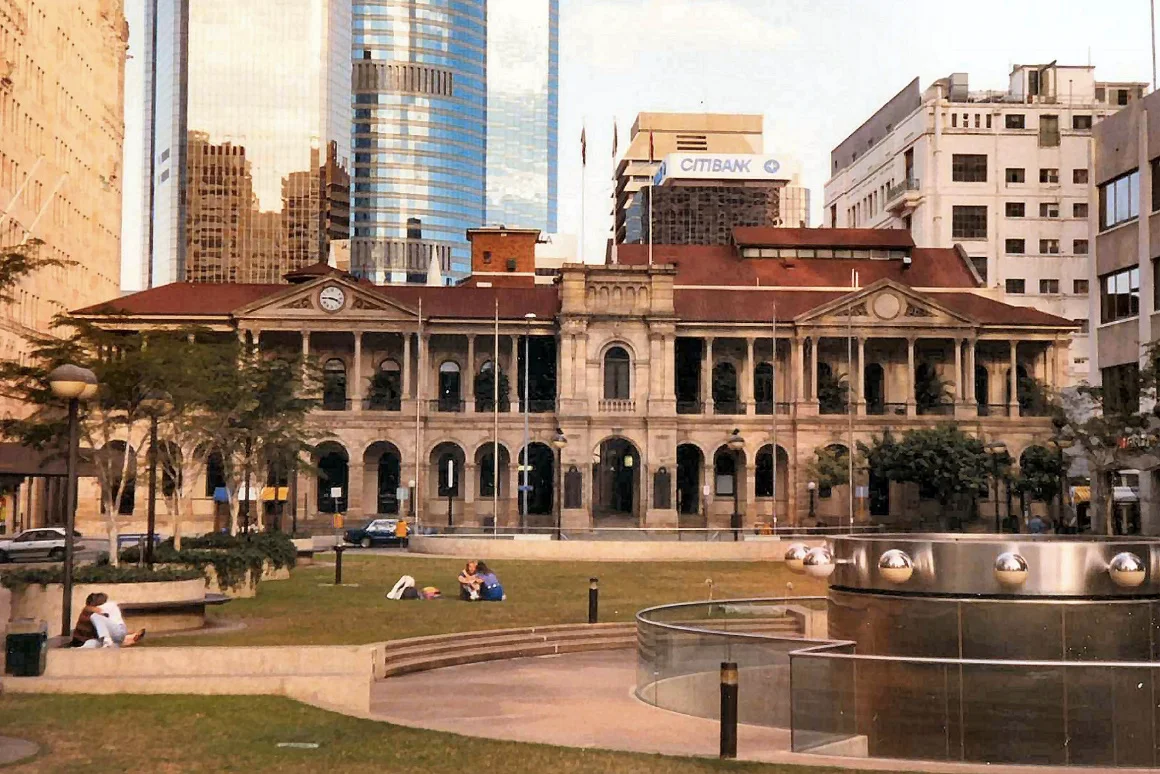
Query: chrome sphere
(819, 562)
(1127, 570)
(1010, 569)
(895, 566)
(794, 556)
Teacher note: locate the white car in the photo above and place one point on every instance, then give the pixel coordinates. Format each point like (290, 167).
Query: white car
(45, 543)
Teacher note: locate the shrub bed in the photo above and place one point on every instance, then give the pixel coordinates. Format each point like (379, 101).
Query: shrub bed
(95, 573)
(234, 558)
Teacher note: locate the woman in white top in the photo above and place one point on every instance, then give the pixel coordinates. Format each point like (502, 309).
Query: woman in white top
(110, 624)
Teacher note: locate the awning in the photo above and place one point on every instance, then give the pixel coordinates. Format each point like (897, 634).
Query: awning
(275, 494)
(19, 460)
(1081, 494)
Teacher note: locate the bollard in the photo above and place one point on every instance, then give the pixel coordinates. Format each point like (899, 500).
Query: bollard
(593, 598)
(728, 709)
(338, 549)
(141, 552)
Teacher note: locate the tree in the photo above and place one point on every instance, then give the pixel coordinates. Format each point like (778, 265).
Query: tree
(944, 461)
(830, 467)
(1116, 426)
(930, 391)
(129, 366)
(383, 390)
(485, 390)
(1040, 472)
(833, 392)
(19, 261)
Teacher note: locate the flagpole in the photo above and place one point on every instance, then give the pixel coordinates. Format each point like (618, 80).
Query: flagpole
(650, 224)
(850, 405)
(583, 184)
(495, 425)
(418, 417)
(773, 395)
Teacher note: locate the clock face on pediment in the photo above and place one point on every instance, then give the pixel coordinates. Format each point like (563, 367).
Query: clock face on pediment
(332, 298)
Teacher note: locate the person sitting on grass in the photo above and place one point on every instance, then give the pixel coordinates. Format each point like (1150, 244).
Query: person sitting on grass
(469, 582)
(490, 588)
(109, 624)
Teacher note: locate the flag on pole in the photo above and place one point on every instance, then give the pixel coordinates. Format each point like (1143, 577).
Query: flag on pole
(614, 138)
(583, 146)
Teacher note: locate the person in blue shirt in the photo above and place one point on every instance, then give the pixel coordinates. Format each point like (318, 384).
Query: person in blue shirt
(1037, 526)
(490, 589)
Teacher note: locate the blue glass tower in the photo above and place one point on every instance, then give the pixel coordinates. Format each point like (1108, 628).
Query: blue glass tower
(419, 135)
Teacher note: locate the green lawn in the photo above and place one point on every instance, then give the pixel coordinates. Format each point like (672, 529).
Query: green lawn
(307, 610)
(210, 734)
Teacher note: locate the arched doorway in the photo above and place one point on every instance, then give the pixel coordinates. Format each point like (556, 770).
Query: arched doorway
(982, 389)
(333, 473)
(382, 464)
(449, 387)
(875, 378)
(539, 478)
(690, 464)
(215, 490)
(446, 485)
(879, 494)
(492, 493)
(616, 481)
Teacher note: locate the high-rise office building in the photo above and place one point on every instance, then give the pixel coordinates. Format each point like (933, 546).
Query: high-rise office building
(420, 136)
(62, 67)
(1003, 173)
(523, 89)
(247, 137)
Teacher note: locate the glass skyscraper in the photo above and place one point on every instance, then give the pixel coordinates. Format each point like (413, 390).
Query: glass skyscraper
(420, 135)
(523, 57)
(247, 137)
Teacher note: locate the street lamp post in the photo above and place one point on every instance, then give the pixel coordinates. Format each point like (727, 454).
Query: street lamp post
(813, 487)
(559, 441)
(525, 468)
(996, 448)
(74, 384)
(155, 403)
(736, 444)
(1062, 440)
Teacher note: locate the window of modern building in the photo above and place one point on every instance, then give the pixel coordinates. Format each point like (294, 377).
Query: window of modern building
(969, 168)
(1079, 210)
(980, 264)
(1015, 286)
(1121, 96)
(1015, 247)
(1121, 388)
(1119, 200)
(1015, 209)
(1049, 247)
(1101, 94)
(988, 120)
(1079, 176)
(1049, 209)
(1079, 246)
(1081, 122)
(1155, 184)
(1016, 175)
(1079, 287)
(1120, 295)
(1048, 175)
(1049, 286)
(1155, 284)
(1048, 131)
(1014, 121)
(976, 120)
(954, 120)
(969, 221)
(1083, 323)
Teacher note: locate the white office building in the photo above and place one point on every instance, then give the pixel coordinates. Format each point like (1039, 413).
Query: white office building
(1004, 174)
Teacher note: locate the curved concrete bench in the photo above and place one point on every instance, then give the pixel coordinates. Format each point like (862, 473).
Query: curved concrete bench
(420, 654)
(170, 615)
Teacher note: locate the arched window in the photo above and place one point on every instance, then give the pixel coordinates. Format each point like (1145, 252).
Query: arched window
(449, 386)
(724, 472)
(725, 389)
(617, 365)
(386, 387)
(334, 385)
(215, 474)
(763, 473)
(448, 475)
(763, 388)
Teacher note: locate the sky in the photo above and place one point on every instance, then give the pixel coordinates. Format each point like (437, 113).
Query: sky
(815, 69)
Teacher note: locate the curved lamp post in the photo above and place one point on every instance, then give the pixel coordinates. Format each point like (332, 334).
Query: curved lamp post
(559, 441)
(74, 384)
(812, 486)
(736, 444)
(156, 404)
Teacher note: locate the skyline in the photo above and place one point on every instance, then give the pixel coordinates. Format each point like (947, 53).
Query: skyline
(810, 103)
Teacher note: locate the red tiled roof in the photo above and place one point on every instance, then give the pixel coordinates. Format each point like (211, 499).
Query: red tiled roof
(989, 310)
(720, 265)
(474, 302)
(185, 299)
(880, 238)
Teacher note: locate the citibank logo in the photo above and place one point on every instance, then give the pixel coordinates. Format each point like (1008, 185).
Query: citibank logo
(772, 166)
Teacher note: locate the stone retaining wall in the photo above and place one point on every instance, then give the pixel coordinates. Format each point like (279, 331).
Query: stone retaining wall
(764, 550)
(43, 603)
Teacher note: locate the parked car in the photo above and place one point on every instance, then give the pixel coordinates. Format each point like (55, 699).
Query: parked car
(380, 532)
(45, 543)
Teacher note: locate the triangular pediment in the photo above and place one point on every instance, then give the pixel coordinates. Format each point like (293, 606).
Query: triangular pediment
(327, 298)
(885, 302)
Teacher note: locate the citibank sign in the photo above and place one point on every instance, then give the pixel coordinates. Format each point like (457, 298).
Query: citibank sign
(712, 166)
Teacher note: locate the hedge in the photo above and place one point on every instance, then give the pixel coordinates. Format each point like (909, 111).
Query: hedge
(231, 557)
(96, 573)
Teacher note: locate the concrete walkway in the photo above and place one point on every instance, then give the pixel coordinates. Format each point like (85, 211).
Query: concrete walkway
(586, 700)
(14, 750)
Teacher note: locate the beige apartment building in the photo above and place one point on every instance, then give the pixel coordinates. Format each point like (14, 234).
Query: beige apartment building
(645, 369)
(61, 133)
(1125, 306)
(1004, 173)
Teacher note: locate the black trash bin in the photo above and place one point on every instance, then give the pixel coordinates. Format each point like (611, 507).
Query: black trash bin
(26, 648)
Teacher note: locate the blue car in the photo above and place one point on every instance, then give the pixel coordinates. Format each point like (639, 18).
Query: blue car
(380, 532)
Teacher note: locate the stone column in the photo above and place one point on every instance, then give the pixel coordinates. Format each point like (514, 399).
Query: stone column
(960, 392)
(861, 377)
(421, 381)
(707, 377)
(305, 344)
(797, 366)
(564, 382)
(670, 371)
(469, 374)
(656, 372)
(911, 408)
(407, 388)
(469, 484)
(972, 344)
(813, 375)
(746, 376)
(1013, 383)
(357, 393)
(580, 372)
(354, 490)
